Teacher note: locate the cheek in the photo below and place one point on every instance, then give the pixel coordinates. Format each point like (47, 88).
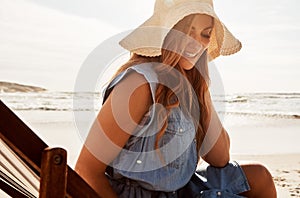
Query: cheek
(205, 42)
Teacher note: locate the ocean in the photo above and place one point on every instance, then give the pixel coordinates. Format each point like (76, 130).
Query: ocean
(277, 105)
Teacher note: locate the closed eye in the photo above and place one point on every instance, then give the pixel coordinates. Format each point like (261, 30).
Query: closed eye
(206, 33)
(205, 36)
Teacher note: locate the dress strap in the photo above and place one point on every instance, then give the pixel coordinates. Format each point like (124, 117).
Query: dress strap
(146, 69)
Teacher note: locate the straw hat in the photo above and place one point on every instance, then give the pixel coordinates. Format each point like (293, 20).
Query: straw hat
(147, 39)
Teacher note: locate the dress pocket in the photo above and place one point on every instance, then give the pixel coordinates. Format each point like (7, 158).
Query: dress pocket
(179, 126)
(177, 141)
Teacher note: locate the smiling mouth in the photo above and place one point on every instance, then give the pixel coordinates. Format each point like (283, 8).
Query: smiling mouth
(192, 54)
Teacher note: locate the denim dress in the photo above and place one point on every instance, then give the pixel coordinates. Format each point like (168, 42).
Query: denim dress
(141, 170)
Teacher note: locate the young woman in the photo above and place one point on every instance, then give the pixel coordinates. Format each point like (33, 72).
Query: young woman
(157, 120)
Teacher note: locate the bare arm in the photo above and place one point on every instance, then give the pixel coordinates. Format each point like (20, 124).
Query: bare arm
(111, 130)
(216, 144)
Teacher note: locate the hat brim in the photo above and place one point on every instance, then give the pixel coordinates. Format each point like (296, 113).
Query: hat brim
(148, 38)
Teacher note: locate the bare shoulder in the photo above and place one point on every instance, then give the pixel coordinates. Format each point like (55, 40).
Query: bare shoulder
(135, 88)
(130, 98)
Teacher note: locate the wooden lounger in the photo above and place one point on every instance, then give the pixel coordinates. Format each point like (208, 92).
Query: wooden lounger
(49, 165)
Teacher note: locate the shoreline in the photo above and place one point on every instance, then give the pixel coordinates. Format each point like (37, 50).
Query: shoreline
(249, 134)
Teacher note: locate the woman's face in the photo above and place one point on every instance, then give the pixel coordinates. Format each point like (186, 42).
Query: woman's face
(201, 29)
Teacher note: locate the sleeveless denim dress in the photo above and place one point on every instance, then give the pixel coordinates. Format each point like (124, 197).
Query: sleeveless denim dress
(141, 171)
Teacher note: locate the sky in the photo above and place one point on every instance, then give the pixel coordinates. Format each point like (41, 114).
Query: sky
(45, 43)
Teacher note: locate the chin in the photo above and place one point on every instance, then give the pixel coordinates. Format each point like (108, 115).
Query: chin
(185, 64)
(188, 68)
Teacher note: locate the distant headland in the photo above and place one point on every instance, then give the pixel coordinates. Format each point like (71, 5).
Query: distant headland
(9, 87)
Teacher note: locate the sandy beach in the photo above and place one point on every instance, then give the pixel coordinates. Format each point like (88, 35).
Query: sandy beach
(272, 142)
(285, 169)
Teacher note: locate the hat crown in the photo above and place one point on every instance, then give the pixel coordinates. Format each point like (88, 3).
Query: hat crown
(166, 4)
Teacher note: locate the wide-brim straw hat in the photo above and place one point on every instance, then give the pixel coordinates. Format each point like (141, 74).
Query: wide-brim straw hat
(148, 38)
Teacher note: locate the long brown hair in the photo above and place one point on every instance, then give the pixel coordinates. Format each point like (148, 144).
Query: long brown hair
(197, 77)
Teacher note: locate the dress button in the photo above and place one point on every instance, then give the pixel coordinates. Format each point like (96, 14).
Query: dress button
(219, 193)
(138, 161)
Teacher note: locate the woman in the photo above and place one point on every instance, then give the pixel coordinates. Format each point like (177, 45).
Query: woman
(157, 120)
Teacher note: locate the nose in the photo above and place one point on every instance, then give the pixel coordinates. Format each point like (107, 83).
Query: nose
(200, 39)
(194, 44)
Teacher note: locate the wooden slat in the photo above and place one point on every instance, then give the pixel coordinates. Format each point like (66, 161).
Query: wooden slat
(11, 190)
(18, 136)
(53, 180)
(77, 187)
(29, 147)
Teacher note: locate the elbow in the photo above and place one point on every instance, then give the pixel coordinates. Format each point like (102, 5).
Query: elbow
(219, 161)
(219, 154)
(223, 161)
